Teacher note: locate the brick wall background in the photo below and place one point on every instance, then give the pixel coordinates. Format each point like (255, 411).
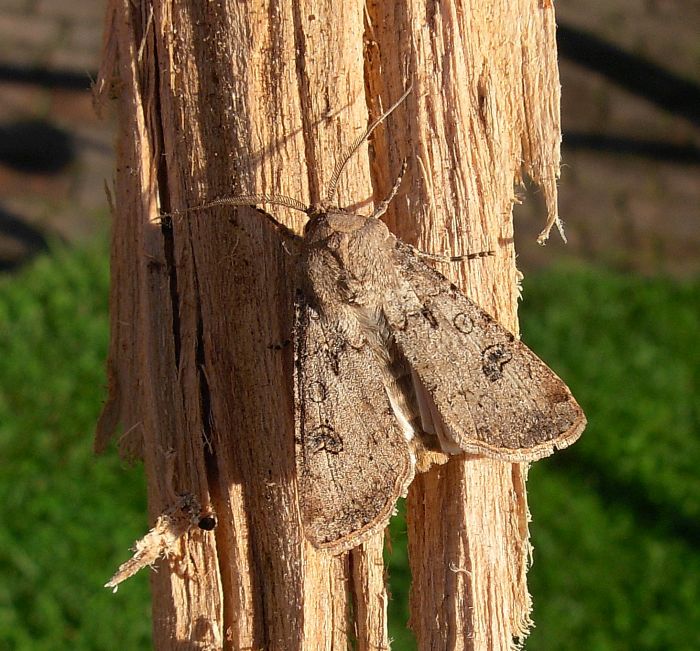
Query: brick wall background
(54, 152)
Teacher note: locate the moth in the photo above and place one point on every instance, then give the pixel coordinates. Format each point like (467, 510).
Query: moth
(392, 362)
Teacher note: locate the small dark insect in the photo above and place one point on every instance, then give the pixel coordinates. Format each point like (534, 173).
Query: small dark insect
(207, 523)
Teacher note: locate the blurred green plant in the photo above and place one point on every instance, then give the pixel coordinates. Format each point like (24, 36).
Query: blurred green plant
(615, 527)
(615, 518)
(69, 517)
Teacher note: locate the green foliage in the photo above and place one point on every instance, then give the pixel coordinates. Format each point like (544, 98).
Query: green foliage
(68, 517)
(615, 518)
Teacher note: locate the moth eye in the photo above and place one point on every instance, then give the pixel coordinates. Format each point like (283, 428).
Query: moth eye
(333, 243)
(317, 392)
(324, 437)
(494, 358)
(463, 323)
(343, 285)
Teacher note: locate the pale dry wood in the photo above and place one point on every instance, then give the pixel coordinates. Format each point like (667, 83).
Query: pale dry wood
(222, 87)
(370, 595)
(218, 99)
(144, 392)
(485, 105)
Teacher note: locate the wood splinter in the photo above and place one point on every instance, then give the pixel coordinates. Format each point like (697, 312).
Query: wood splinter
(183, 517)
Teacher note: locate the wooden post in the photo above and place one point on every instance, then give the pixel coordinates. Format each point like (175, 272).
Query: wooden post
(223, 98)
(485, 107)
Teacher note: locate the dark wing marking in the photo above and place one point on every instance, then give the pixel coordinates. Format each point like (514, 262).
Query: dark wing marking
(353, 461)
(478, 386)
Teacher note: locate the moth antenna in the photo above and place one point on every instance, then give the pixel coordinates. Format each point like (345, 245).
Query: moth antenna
(340, 166)
(381, 208)
(246, 200)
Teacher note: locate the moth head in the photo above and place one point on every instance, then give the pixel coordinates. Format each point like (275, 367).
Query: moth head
(326, 221)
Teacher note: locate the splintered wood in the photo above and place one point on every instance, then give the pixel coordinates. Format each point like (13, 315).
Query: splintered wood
(225, 99)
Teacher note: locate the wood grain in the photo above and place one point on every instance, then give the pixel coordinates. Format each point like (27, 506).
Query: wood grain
(217, 99)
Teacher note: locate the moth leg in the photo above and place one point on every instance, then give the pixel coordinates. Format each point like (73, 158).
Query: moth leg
(279, 345)
(381, 208)
(453, 258)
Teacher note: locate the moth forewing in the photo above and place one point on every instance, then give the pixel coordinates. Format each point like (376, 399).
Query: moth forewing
(486, 391)
(394, 363)
(353, 461)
